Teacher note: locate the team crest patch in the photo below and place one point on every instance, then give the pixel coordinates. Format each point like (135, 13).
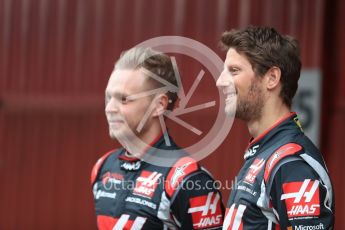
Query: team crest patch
(302, 199)
(253, 171)
(146, 183)
(206, 211)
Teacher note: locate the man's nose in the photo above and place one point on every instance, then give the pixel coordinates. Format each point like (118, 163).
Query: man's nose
(221, 81)
(111, 105)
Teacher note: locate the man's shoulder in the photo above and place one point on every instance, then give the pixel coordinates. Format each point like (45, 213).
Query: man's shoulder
(279, 155)
(183, 168)
(100, 162)
(291, 156)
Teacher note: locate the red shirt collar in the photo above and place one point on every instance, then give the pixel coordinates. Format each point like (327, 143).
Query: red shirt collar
(258, 138)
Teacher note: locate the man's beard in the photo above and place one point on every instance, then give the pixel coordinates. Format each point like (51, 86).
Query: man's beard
(250, 107)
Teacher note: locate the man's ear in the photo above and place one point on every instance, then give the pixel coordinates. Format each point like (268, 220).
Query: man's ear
(273, 76)
(162, 101)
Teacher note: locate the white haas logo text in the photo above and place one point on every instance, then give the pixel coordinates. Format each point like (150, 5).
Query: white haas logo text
(302, 198)
(206, 211)
(130, 166)
(250, 152)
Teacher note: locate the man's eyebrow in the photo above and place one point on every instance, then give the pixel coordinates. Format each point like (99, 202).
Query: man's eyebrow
(232, 65)
(116, 94)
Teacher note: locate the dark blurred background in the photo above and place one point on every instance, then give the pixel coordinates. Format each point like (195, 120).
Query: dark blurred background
(55, 60)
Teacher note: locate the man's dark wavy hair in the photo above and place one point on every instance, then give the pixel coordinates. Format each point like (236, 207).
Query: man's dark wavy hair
(265, 48)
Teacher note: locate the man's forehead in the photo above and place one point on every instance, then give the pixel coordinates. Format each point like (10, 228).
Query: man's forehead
(232, 52)
(126, 80)
(123, 75)
(235, 57)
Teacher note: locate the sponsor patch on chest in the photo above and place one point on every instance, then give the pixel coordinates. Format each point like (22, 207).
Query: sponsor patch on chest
(254, 169)
(146, 183)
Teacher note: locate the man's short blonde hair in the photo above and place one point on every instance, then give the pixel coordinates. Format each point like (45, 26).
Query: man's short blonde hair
(157, 63)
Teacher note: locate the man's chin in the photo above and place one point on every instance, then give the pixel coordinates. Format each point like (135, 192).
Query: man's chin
(230, 110)
(120, 135)
(116, 135)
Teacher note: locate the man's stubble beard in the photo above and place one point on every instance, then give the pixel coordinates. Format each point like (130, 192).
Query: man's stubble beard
(250, 107)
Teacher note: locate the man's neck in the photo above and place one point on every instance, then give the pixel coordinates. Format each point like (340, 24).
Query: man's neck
(138, 145)
(271, 113)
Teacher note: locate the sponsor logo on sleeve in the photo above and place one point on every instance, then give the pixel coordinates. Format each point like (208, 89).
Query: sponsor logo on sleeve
(146, 183)
(183, 167)
(284, 151)
(302, 199)
(206, 211)
(179, 172)
(307, 227)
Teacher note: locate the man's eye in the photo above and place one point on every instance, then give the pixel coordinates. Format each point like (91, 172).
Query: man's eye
(124, 100)
(233, 70)
(107, 99)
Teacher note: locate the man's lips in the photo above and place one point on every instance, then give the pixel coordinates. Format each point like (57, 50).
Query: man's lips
(116, 121)
(230, 97)
(229, 91)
